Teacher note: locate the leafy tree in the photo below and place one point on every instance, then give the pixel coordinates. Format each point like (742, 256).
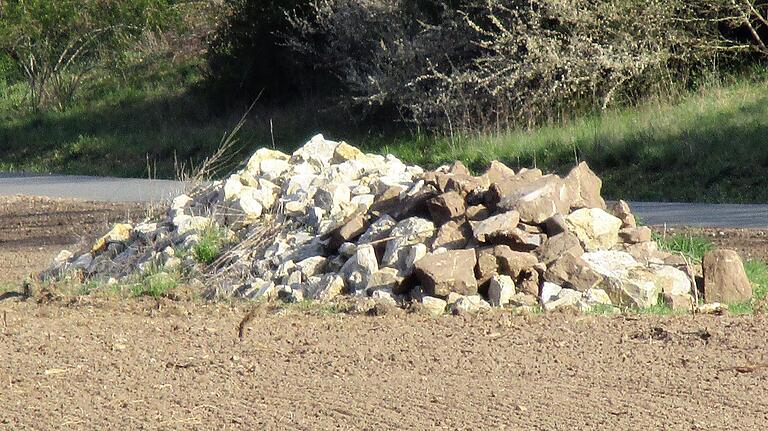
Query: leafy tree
(57, 43)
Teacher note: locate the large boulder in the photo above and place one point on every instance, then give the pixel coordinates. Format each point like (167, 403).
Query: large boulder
(452, 271)
(595, 228)
(627, 282)
(725, 280)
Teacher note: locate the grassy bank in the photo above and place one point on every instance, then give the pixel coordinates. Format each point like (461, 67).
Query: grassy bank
(708, 146)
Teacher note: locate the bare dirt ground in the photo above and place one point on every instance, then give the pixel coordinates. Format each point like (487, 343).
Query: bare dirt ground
(33, 230)
(101, 363)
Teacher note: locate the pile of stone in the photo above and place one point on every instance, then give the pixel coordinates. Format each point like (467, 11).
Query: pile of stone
(330, 220)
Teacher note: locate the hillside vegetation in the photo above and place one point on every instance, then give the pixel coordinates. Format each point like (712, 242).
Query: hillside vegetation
(665, 101)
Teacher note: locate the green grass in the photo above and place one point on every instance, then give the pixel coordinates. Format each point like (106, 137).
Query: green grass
(693, 247)
(703, 146)
(155, 283)
(209, 248)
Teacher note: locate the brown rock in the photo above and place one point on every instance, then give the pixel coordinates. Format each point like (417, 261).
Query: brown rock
(445, 207)
(487, 265)
(724, 278)
(478, 213)
(453, 235)
(555, 225)
(514, 262)
(528, 283)
(585, 187)
(464, 184)
(458, 168)
(452, 271)
(498, 172)
(572, 272)
(634, 235)
(559, 245)
(678, 302)
(622, 211)
(497, 226)
(352, 228)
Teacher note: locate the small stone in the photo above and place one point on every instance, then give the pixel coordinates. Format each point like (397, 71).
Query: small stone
(597, 296)
(634, 235)
(501, 290)
(514, 262)
(622, 211)
(556, 225)
(498, 172)
(550, 292)
(724, 277)
(469, 304)
(120, 232)
(435, 306)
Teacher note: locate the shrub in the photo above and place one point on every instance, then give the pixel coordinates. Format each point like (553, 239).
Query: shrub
(246, 57)
(210, 245)
(57, 43)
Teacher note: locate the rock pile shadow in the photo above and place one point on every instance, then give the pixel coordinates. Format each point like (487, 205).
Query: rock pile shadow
(330, 221)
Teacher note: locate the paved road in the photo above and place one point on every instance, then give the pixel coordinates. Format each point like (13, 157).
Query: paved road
(89, 188)
(141, 190)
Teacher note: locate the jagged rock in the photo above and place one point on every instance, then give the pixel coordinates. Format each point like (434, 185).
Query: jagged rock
(498, 172)
(514, 262)
(434, 306)
(622, 211)
(451, 271)
(469, 304)
(724, 277)
(550, 292)
(499, 226)
(501, 290)
(345, 152)
(538, 200)
(565, 298)
(191, 224)
(585, 187)
(572, 272)
(627, 282)
(634, 235)
(595, 228)
(453, 235)
(559, 245)
(405, 234)
(327, 288)
(359, 268)
(120, 232)
(477, 213)
(446, 207)
(317, 151)
(352, 228)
